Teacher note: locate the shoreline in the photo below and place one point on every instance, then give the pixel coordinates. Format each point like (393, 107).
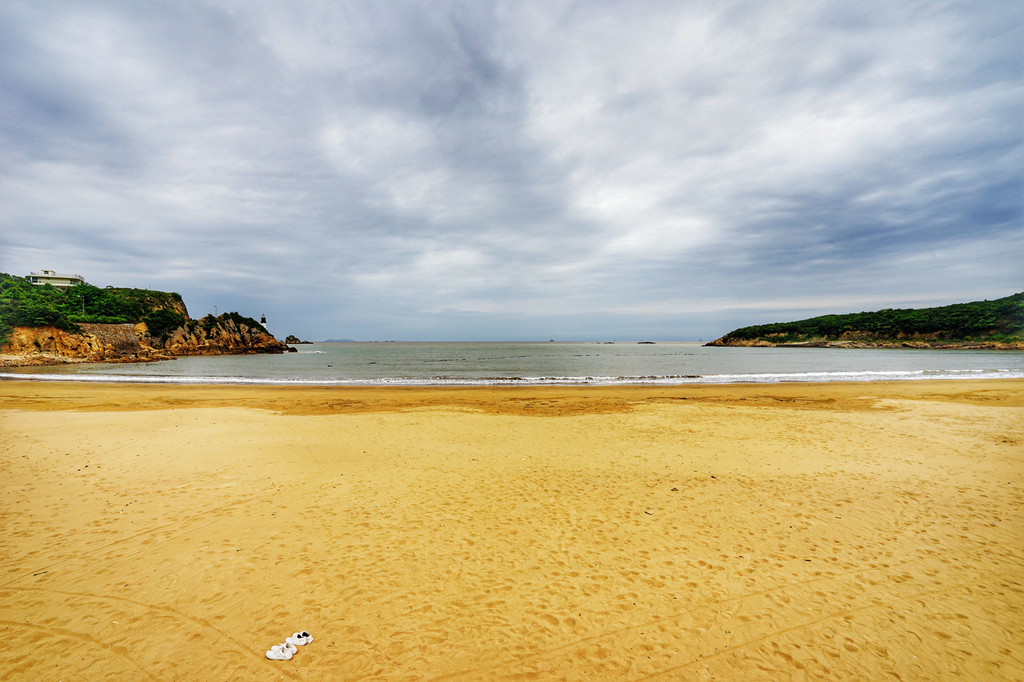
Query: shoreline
(844, 530)
(160, 395)
(561, 382)
(44, 359)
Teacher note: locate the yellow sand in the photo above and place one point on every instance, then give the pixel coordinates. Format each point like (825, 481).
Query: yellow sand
(856, 532)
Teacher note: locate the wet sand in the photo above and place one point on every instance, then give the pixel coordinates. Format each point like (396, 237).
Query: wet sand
(822, 531)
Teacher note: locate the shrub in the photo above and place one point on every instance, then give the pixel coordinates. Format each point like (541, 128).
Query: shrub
(163, 322)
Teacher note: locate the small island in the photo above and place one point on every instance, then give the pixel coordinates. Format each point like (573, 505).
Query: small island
(995, 325)
(42, 323)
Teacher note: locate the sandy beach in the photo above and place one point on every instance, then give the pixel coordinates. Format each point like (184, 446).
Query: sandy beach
(800, 531)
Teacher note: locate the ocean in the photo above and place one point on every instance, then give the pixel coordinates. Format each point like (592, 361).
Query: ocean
(555, 363)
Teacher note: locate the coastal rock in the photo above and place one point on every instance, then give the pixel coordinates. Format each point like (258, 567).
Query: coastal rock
(48, 345)
(747, 343)
(49, 342)
(38, 326)
(224, 337)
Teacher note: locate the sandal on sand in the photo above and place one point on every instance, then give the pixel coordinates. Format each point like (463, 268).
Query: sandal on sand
(281, 652)
(300, 638)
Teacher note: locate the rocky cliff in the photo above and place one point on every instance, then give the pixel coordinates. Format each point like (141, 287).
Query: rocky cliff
(47, 345)
(84, 323)
(227, 336)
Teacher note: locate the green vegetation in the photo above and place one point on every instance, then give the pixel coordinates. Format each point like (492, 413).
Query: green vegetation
(23, 304)
(241, 320)
(209, 323)
(162, 322)
(1001, 320)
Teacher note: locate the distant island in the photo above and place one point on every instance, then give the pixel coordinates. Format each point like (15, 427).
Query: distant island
(42, 323)
(997, 325)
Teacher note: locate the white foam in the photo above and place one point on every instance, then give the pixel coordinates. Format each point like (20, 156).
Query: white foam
(760, 378)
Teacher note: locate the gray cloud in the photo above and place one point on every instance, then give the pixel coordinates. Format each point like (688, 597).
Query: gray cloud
(483, 170)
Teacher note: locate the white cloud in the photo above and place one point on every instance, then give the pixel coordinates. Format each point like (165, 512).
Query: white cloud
(361, 161)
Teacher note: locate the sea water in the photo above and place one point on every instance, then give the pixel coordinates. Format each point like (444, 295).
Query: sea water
(413, 364)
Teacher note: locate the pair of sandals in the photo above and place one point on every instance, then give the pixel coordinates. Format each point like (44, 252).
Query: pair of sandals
(285, 651)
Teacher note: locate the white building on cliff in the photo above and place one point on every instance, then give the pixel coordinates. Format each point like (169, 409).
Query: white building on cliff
(58, 280)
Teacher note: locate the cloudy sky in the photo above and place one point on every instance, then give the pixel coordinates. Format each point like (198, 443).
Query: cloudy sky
(506, 170)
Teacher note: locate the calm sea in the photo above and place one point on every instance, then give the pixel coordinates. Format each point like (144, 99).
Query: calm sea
(413, 364)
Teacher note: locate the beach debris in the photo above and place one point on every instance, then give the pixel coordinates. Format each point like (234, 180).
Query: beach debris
(289, 647)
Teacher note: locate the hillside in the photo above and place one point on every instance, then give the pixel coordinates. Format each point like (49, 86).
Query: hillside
(47, 325)
(997, 324)
(23, 304)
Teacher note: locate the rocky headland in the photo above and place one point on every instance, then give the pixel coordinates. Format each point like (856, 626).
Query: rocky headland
(979, 325)
(48, 345)
(45, 325)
